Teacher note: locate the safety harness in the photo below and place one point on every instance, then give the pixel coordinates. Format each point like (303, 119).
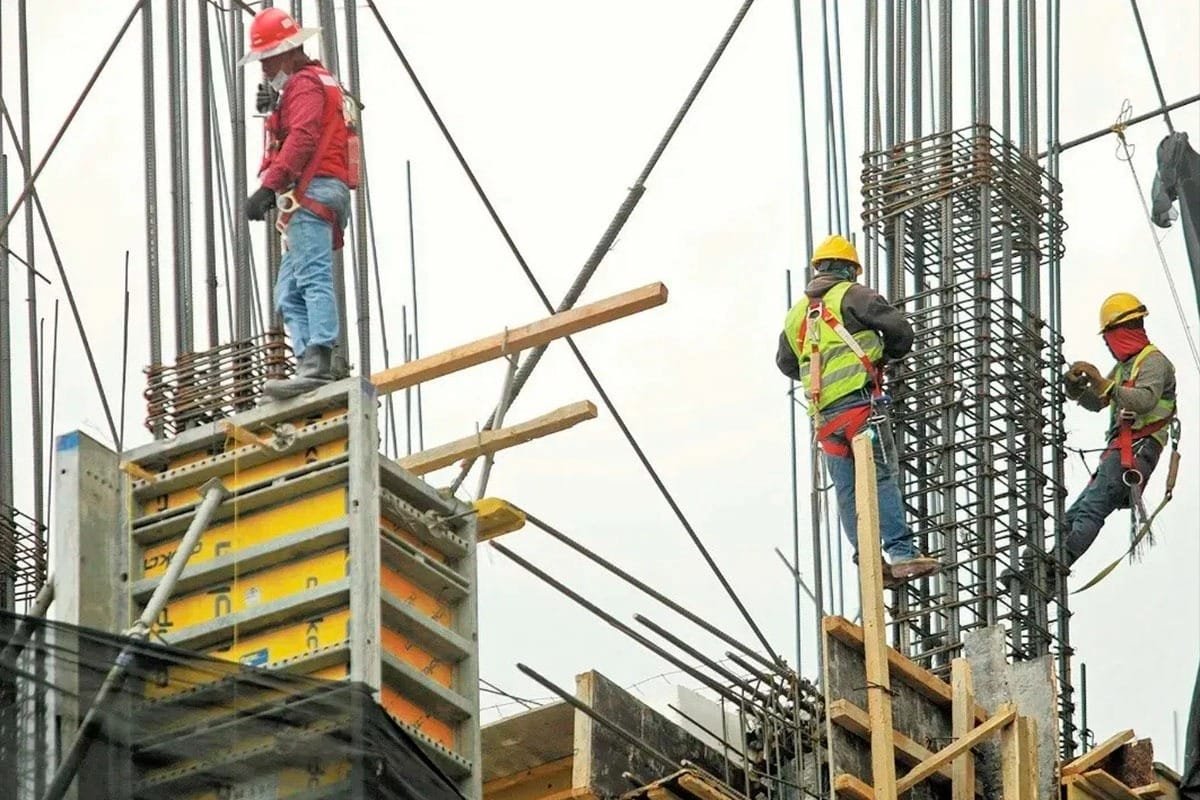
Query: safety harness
(849, 422)
(294, 199)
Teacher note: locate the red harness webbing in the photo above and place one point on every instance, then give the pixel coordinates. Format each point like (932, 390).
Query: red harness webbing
(844, 425)
(333, 107)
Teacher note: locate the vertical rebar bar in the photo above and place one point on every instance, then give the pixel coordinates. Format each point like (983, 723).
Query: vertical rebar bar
(7, 538)
(362, 284)
(35, 390)
(329, 56)
(180, 207)
(150, 164)
(206, 148)
(416, 327)
(243, 305)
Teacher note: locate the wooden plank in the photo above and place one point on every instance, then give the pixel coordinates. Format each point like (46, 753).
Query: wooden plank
(870, 574)
(962, 769)
(850, 717)
(701, 789)
(485, 442)
(1150, 790)
(534, 774)
(514, 340)
(852, 788)
(138, 472)
(1018, 760)
(1109, 786)
(1004, 716)
(902, 668)
(495, 517)
(1096, 754)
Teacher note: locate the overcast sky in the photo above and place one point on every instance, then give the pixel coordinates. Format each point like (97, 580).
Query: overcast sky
(558, 105)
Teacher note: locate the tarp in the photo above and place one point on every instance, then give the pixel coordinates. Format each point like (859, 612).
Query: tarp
(1178, 178)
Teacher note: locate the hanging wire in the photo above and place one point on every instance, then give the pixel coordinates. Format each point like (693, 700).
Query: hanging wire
(1125, 153)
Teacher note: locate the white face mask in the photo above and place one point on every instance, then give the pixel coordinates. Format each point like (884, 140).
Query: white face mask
(279, 80)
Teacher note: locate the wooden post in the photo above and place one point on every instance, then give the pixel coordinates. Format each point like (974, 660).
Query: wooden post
(962, 771)
(870, 573)
(1018, 756)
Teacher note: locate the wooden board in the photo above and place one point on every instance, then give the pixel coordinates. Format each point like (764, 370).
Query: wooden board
(963, 768)
(1004, 716)
(515, 340)
(486, 442)
(902, 668)
(1019, 760)
(870, 571)
(1096, 754)
(852, 788)
(850, 717)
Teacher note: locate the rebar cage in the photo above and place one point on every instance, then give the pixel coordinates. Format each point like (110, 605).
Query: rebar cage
(967, 223)
(22, 559)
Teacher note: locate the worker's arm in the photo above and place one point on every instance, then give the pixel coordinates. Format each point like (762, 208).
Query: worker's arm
(872, 311)
(1084, 384)
(1152, 380)
(302, 107)
(785, 358)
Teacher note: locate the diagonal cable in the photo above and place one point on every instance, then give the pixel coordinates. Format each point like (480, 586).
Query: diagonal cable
(598, 253)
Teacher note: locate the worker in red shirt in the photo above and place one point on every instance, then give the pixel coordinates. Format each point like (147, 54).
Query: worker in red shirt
(306, 174)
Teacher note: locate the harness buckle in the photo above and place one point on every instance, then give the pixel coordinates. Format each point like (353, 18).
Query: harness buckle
(287, 202)
(1131, 477)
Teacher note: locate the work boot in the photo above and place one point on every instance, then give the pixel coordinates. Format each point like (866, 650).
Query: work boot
(889, 580)
(907, 568)
(313, 371)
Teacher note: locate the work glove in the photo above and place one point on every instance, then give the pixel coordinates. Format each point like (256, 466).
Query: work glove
(1086, 373)
(264, 100)
(260, 203)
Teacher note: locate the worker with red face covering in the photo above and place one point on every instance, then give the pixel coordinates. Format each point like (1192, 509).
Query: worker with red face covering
(307, 172)
(1139, 393)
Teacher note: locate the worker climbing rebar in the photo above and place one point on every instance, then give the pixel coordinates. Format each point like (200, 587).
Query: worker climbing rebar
(1139, 392)
(837, 341)
(307, 171)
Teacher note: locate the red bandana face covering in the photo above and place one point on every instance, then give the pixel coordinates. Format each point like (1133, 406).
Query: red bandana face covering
(1125, 343)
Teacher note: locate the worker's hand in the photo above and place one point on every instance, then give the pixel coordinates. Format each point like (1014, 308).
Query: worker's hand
(1084, 372)
(264, 100)
(260, 203)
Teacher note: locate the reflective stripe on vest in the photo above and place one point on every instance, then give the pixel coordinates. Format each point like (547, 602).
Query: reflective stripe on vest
(1163, 410)
(841, 370)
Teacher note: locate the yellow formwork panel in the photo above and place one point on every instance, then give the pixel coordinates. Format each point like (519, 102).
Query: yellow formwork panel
(400, 533)
(337, 672)
(256, 588)
(280, 784)
(420, 659)
(243, 477)
(252, 529)
(418, 718)
(289, 640)
(408, 592)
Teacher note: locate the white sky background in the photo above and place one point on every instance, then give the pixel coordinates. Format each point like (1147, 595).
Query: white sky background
(558, 105)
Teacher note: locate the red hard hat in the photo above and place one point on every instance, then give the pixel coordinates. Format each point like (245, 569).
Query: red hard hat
(272, 32)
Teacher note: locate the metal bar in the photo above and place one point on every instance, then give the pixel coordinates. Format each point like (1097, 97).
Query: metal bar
(579, 705)
(1162, 100)
(243, 306)
(20, 637)
(206, 149)
(180, 195)
(8, 539)
(1149, 115)
(150, 162)
(416, 326)
(362, 282)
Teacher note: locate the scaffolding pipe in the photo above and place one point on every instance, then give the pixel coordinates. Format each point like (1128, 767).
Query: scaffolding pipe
(213, 492)
(41, 604)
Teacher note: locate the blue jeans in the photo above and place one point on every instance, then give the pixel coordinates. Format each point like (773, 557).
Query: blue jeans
(1104, 494)
(897, 539)
(304, 291)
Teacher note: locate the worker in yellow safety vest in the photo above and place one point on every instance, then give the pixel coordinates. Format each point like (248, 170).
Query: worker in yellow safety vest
(835, 341)
(1139, 392)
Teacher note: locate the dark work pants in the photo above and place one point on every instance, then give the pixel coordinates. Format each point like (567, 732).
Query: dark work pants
(1105, 493)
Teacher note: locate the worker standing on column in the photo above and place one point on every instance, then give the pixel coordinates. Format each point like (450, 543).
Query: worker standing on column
(306, 172)
(836, 341)
(1139, 393)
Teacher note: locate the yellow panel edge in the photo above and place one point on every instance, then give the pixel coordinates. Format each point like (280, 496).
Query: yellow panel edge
(496, 517)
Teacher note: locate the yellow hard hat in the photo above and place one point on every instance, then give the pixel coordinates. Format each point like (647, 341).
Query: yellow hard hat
(836, 248)
(1118, 308)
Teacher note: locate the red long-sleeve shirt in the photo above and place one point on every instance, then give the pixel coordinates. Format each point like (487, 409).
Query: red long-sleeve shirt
(298, 123)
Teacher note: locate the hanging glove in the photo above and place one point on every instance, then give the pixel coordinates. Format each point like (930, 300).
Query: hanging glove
(260, 203)
(265, 99)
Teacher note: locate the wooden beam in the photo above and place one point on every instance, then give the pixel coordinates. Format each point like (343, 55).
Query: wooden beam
(485, 442)
(870, 575)
(1108, 787)
(515, 340)
(495, 517)
(849, 717)
(244, 436)
(1019, 760)
(962, 769)
(525, 776)
(852, 788)
(1004, 716)
(902, 668)
(1096, 754)
(138, 472)
(1150, 790)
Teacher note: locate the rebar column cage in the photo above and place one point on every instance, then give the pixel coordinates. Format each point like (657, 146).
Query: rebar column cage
(22, 558)
(968, 224)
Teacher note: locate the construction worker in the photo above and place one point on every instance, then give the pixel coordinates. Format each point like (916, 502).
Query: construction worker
(305, 171)
(1139, 392)
(836, 341)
